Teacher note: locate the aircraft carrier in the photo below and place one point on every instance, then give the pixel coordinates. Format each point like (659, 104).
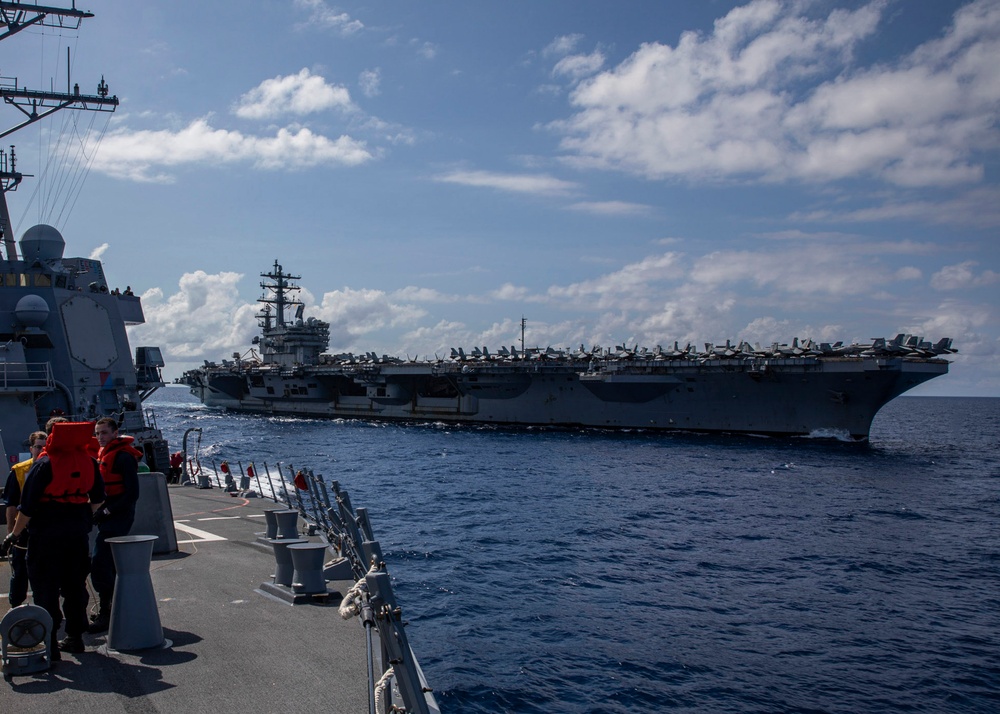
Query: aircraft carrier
(805, 388)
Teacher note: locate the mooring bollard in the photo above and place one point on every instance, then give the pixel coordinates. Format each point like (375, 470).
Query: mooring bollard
(307, 561)
(271, 523)
(135, 619)
(287, 523)
(283, 567)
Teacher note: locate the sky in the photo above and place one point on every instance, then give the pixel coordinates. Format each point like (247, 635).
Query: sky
(614, 173)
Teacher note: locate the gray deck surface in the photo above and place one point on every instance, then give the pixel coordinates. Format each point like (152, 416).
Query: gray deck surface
(233, 649)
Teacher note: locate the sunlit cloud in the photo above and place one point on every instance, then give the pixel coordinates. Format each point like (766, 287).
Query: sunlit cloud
(296, 94)
(728, 104)
(149, 155)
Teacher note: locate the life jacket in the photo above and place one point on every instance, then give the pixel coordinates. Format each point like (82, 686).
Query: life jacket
(20, 470)
(72, 467)
(113, 484)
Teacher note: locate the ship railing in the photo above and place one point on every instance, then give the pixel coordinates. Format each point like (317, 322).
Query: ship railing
(26, 377)
(327, 511)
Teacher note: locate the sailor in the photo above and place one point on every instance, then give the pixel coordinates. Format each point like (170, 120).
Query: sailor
(176, 464)
(119, 462)
(61, 491)
(18, 591)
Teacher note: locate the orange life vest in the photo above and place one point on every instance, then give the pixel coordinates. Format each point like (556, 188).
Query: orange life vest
(72, 467)
(113, 484)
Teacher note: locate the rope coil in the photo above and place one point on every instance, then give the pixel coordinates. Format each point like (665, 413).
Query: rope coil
(350, 606)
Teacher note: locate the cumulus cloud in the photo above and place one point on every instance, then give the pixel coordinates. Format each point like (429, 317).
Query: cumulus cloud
(204, 319)
(146, 155)
(297, 94)
(353, 314)
(730, 103)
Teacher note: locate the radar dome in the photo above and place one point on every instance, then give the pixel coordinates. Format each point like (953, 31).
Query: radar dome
(31, 311)
(42, 242)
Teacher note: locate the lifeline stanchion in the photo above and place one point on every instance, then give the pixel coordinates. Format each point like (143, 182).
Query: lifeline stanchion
(256, 475)
(244, 479)
(270, 482)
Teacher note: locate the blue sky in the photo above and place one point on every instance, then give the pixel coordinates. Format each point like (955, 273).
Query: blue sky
(637, 172)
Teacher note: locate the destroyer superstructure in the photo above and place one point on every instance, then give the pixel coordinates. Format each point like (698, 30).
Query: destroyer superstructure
(63, 345)
(805, 388)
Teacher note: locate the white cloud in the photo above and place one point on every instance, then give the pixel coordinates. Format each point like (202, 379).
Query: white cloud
(578, 66)
(810, 270)
(204, 319)
(730, 103)
(562, 45)
(509, 291)
(99, 251)
(519, 183)
(147, 155)
(427, 50)
(976, 207)
(325, 17)
(962, 276)
(631, 285)
(353, 314)
(297, 94)
(370, 81)
(612, 208)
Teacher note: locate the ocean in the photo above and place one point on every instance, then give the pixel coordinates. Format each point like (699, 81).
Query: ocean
(589, 571)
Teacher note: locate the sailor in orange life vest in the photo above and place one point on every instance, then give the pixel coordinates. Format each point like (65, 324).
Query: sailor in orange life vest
(18, 591)
(61, 490)
(119, 462)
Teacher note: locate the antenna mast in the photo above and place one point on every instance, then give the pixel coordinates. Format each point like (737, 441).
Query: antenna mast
(36, 105)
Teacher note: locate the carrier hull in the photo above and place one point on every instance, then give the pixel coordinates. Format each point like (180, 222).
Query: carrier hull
(835, 397)
(808, 388)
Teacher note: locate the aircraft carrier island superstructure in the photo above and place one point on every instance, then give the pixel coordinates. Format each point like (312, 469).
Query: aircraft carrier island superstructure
(804, 388)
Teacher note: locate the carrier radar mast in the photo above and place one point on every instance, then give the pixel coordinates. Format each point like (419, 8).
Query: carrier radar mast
(280, 285)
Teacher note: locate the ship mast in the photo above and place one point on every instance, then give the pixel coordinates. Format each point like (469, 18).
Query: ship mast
(280, 286)
(34, 104)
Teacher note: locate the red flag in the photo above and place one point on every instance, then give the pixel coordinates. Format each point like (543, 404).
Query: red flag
(300, 481)
(250, 473)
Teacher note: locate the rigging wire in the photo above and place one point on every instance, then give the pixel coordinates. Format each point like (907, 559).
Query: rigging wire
(67, 155)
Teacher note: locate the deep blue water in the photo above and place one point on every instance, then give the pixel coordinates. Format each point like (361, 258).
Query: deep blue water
(559, 571)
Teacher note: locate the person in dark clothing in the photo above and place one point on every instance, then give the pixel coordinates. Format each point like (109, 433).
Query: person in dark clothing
(119, 463)
(61, 491)
(18, 591)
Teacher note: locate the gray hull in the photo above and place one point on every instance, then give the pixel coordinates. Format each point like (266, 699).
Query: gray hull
(836, 397)
(808, 388)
